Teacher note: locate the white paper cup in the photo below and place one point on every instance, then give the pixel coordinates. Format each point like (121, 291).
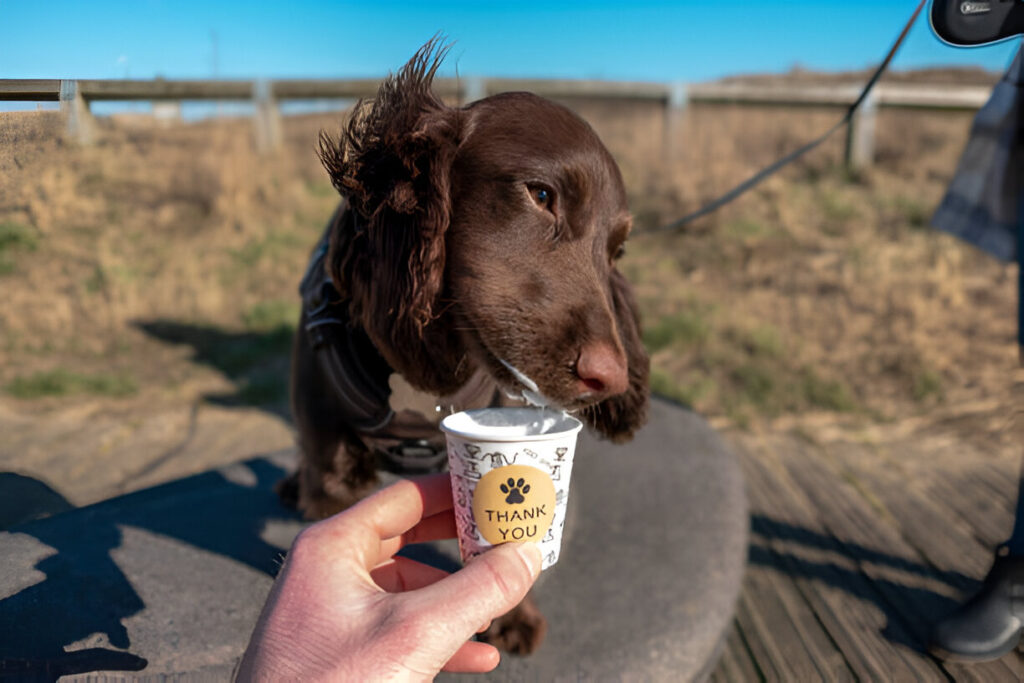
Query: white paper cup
(510, 471)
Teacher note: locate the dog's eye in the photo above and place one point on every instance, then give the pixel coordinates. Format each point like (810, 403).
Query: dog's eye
(542, 196)
(619, 252)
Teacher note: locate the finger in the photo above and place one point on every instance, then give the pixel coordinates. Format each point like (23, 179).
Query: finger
(394, 510)
(486, 625)
(489, 586)
(400, 574)
(386, 514)
(433, 528)
(473, 657)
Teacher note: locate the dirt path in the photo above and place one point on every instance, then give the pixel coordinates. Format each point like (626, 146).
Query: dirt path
(97, 449)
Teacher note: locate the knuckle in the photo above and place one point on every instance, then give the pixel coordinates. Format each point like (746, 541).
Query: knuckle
(306, 539)
(304, 545)
(316, 538)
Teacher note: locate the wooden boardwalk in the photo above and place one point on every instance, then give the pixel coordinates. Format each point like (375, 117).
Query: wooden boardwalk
(855, 551)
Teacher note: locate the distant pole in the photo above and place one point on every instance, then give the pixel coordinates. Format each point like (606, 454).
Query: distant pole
(860, 134)
(475, 89)
(80, 125)
(214, 65)
(675, 110)
(266, 117)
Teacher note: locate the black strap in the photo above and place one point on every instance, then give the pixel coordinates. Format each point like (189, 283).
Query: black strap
(769, 170)
(356, 371)
(353, 366)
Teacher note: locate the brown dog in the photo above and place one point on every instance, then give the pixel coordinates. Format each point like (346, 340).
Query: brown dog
(474, 256)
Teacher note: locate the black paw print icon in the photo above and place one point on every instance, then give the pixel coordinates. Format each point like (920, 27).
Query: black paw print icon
(515, 490)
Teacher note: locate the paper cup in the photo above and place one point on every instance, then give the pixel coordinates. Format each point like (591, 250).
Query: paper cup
(510, 471)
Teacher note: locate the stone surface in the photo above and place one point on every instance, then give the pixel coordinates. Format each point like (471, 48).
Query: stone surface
(171, 579)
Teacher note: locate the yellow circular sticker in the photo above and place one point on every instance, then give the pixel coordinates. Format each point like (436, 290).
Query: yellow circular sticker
(514, 503)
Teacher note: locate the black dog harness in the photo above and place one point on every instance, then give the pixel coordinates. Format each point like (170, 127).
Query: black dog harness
(405, 441)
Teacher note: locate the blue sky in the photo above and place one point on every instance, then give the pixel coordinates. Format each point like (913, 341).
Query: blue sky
(640, 40)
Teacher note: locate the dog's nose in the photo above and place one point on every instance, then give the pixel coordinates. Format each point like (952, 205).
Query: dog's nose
(602, 370)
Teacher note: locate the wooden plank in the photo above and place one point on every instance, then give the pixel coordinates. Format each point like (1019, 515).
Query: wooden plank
(765, 616)
(769, 580)
(910, 599)
(1007, 669)
(842, 95)
(888, 94)
(759, 649)
(1001, 480)
(987, 515)
(736, 664)
(352, 88)
(924, 96)
(160, 89)
(570, 88)
(311, 89)
(775, 94)
(948, 544)
(837, 595)
(29, 90)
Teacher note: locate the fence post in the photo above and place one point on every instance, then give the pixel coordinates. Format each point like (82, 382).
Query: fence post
(675, 109)
(476, 89)
(80, 124)
(266, 117)
(860, 135)
(167, 113)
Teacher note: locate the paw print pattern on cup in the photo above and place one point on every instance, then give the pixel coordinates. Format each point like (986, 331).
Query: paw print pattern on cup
(515, 490)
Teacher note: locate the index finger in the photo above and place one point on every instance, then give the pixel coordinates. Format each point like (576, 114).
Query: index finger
(390, 512)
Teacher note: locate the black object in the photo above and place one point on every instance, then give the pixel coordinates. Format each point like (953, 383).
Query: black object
(967, 23)
(989, 625)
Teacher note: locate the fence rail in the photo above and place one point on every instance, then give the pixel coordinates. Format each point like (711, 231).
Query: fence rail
(76, 95)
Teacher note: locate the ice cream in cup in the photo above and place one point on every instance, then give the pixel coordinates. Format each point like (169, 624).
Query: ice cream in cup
(510, 472)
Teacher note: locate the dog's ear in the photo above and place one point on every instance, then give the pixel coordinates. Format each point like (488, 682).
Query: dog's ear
(619, 417)
(392, 162)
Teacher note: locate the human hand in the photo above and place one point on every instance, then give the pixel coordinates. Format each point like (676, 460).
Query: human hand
(344, 608)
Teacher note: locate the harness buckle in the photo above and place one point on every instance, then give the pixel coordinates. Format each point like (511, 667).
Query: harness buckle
(413, 457)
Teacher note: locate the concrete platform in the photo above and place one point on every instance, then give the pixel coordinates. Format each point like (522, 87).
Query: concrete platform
(170, 580)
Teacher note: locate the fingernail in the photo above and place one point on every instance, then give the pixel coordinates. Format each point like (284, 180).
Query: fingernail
(530, 554)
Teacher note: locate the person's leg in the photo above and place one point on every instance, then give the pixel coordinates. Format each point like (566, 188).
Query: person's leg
(990, 624)
(1015, 544)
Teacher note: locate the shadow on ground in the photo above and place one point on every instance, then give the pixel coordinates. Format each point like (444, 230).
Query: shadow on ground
(909, 607)
(82, 597)
(85, 596)
(24, 498)
(256, 361)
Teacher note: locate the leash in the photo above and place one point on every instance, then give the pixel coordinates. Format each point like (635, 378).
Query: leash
(799, 152)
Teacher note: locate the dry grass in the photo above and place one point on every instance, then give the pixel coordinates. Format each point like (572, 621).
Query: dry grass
(162, 249)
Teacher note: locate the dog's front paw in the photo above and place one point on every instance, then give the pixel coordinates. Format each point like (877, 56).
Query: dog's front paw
(520, 632)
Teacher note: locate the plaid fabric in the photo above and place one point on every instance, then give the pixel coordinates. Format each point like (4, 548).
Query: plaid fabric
(984, 199)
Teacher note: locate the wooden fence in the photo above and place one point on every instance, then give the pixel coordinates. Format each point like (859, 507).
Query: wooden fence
(76, 95)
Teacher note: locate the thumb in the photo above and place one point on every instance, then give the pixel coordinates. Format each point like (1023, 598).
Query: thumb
(489, 586)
